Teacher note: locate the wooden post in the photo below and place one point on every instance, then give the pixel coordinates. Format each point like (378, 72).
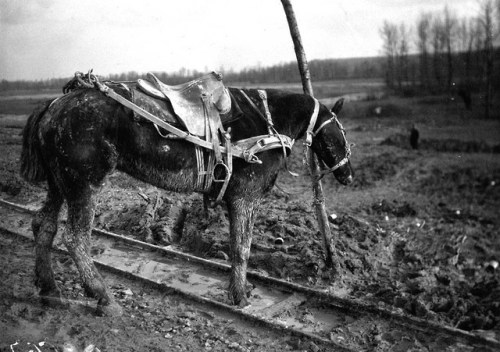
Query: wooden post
(319, 198)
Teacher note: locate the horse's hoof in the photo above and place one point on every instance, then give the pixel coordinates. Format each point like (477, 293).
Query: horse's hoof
(249, 288)
(243, 303)
(111, 309)
(239, 297)
(53, 299)
(239, 300)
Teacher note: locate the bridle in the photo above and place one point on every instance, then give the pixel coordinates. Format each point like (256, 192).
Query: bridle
(310, 134)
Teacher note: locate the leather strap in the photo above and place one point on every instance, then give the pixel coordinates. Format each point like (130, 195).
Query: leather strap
(200, 164)
(270, 124)
(166, 126)
(239, 148)
(211, 119)
(312, 122)
(252, 104)
(258, 144)
(229, 168)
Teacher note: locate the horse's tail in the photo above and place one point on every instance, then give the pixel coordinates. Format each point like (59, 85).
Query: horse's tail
(32, 168)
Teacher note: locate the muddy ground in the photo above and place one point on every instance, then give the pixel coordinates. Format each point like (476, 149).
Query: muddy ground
(417, 230)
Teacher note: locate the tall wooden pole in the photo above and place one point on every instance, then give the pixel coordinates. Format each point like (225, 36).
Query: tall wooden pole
(319, 198)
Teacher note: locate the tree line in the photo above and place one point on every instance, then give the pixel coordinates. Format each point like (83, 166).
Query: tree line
(321, 70)
(445, 53)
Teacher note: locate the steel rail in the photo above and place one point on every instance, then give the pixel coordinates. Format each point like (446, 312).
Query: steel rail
(325, 298)
(165, 288)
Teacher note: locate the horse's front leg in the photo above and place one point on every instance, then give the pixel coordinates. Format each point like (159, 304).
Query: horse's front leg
(241, 220)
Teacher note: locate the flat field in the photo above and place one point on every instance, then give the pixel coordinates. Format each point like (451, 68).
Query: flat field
(418, 230)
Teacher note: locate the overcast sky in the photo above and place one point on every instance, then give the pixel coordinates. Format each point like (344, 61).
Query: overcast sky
(54, 38)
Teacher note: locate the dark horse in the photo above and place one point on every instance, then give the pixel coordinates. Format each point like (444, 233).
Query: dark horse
(75, 141)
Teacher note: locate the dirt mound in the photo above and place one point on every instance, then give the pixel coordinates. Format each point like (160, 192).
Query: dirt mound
(416, 231)
(152, 216)
(442, 145)
(205, 233)
(386, 109)
(388, 207)
(151, 321)
(379, 167)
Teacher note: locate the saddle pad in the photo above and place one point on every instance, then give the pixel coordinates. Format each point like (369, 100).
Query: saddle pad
(186, 100)
(161, 108)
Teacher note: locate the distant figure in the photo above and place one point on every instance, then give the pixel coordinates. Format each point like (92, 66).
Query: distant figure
(414, 134)
(464, 92)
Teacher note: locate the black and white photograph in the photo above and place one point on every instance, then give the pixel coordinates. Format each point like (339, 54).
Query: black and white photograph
(265, 175)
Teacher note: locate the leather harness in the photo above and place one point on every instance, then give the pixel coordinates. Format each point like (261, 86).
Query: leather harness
(246, 149)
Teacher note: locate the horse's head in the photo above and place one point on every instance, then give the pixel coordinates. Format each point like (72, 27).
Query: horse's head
(330, 144)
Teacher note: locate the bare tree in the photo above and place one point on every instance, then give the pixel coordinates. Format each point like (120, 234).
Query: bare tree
(449, 30)
(467, 45)
(490, 31)
(423, 37)
(462, 34)
(438, 44)
(403, 48)
(473, 46)
(389, 34)
(453, 54)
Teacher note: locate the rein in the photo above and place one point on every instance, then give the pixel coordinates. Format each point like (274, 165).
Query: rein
(245, 149)
(310, 134)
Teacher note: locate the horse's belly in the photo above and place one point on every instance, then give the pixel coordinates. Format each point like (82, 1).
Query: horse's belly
(162, 175)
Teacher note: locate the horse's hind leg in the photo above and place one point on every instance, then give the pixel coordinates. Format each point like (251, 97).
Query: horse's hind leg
(44, 227)
(81, 210)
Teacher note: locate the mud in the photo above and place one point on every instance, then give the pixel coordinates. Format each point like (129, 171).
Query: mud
(149, 323)
(417, 230)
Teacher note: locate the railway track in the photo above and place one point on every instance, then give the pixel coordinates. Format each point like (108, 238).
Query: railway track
(344, 324)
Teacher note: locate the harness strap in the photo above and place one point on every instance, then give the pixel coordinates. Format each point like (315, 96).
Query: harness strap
(200, 165)
(270, 126)
(213, 124)
(237, 152)
(272, 130)
(258, 144)
(269, 119)
(314, 117)
(323, 125)
(238, 149)
(311, 134)
(257, 110)
(229, 168)
(244, 149)
(205, 178)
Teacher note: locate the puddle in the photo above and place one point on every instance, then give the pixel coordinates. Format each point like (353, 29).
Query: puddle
(284, 308)
(291, 310)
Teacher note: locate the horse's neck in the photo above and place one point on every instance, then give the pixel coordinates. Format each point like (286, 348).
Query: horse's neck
(290, 112)
(293, 118)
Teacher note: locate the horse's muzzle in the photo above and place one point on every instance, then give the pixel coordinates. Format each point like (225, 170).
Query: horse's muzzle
(344, 174)
(347, 180)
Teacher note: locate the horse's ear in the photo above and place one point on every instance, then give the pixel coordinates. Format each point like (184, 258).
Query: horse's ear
(338, 106)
